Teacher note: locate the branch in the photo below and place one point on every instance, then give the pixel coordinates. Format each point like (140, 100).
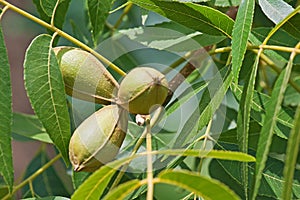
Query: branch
(64, 35)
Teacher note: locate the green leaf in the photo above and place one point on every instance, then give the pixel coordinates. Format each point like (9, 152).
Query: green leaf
(218, 154)
(48, 183)
(94, 186)
(213, 97)
(229, 137)
(259, 104)
(4, 190)
(240, 34)
(272, 184)
(45, 9)
(185, 97)
(45, 89)
(226, 3)
(197, 17)
(229, 173)
(280, 38)
(267, 130)
(200, 185)
(292, 25)
(98, 11)
(292, 97)
(278, 10)
(243, 120)
(79, 177)
(166, 191)
(48, 6)
(124, 189)
(6, 166)
(29, 126)
(209, 103)
(270, 53)
(275, 10)
(291, 156)
(48, 198)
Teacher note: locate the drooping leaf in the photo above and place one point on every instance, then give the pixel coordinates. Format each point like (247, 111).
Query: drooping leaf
(123, 190)
(45, 89)
(200, 185)
(224, 155)
(243, 120)
(29, 126)
(98, 12)
(275, 10)
(197, 17)
(268, 127)
(6, 166)
(48, 183)
(291, 157)
(240, 34)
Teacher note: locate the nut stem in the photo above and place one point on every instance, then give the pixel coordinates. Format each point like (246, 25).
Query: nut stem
(149, 160)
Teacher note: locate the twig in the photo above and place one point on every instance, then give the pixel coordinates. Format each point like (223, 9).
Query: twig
(138, 144)
(33, 176)
(180, 77)
(206, 137)
(125, 12)
(270, 63)
(64, 35)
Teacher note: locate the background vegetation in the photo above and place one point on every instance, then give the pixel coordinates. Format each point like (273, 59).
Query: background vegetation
(240, 140)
